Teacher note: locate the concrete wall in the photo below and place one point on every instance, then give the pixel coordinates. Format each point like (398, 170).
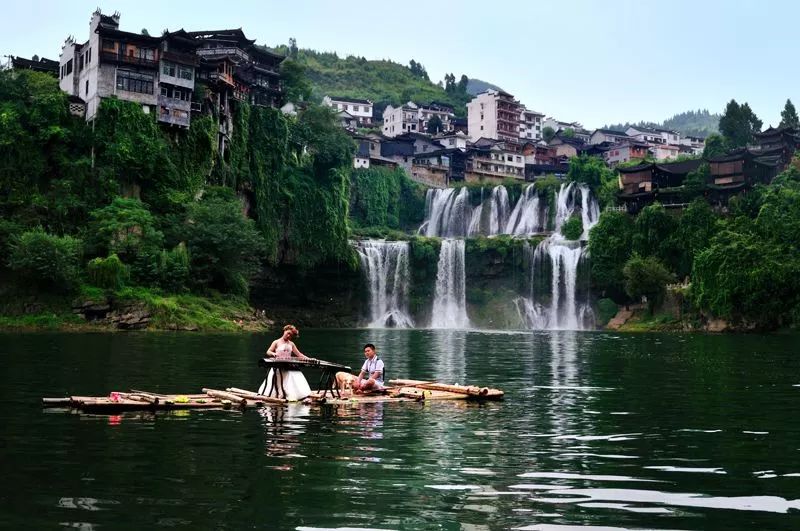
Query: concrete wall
(482, 117)
(435, 176)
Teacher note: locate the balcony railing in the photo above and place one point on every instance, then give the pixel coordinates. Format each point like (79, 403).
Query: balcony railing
(217, 52)
(182, 58)
(221, 77)
(112, 57)
(175, 103)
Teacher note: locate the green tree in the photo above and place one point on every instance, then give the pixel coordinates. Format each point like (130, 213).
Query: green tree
(548, 133)
(435, 125)
(738, 124)
(462, 84)
(296, 86)
(568, 133)
(789, 116)
(225, 248)
(654, 235)
(646, 277)
(125, 228)
(715, 146)
(697, 226)
(610, 247)
(695, 182)
(742, 277)
(47, 261)
(589, 170)
(109, 273)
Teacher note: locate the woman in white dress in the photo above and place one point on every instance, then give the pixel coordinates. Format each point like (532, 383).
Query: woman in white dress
(293, 382)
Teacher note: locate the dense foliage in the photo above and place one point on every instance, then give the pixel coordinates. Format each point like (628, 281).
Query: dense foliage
(128, 201)
(743, 266)
(572, 228)
(750, 271)
(385, 197)
(49, 262)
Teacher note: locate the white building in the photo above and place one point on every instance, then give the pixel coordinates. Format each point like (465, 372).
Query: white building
(696, 143)
(497, 161)
(606, 135)
(414, 118)
(530, 127)
(360, 110)
(664, 151)
(452, 140)
(494, 114)
(654, 136)
(401, 120)
(558, 125)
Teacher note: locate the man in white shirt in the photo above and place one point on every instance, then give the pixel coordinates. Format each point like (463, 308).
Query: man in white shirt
(371, 376)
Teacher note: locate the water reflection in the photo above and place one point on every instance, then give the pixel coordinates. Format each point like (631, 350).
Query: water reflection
(283, 430)
(597, 430)
(448, 356)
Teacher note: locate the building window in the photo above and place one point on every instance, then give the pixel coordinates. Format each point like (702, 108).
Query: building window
(86, 91)
(168, 69)
(69, 67)
(134, 82)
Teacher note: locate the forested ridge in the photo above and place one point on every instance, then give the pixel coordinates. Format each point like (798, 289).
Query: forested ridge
(128, 205)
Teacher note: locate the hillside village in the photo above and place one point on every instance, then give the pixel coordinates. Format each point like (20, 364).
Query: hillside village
(180, 74)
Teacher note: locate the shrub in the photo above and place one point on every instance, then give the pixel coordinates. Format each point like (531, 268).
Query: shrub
(109, 273)
(47, 260)
(606, 310)
(174, 269)
(646, 277)
(572, 228)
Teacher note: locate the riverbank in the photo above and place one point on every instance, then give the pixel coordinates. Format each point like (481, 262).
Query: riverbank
(94, 309)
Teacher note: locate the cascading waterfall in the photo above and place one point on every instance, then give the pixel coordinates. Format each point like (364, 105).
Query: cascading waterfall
(449, 303)
(491, 216)
(561, 303)
(385, 265)
(448, 213)
(529, 215)
(558, 294)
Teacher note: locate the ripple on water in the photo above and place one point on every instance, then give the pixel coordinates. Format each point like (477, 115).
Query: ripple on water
(772, 504)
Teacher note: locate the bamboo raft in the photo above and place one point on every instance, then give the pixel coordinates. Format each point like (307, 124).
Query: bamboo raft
(235, 398)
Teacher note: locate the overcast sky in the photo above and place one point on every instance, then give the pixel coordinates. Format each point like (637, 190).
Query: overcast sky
(594, 62)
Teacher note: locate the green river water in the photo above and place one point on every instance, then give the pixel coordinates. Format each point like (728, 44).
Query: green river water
(601, 430)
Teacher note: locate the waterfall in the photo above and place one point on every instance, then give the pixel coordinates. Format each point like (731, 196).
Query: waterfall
(448, 212)
(491, 216)
(556, 299)
(529, 215)
(449, 303)
(590, 211)
(385, 265)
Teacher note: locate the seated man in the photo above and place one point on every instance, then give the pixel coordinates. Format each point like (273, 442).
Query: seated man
(371, 376)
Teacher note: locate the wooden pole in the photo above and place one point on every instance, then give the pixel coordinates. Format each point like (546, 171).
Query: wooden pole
(223, 395)
(255, 396)
(471, 390)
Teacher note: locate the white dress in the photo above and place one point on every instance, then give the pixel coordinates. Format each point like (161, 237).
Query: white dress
(293, 383)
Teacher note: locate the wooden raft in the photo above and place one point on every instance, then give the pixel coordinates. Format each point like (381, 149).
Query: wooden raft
(233, 397)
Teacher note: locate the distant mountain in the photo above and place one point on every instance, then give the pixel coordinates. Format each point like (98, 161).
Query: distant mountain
(692, 123)
(476, 86)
